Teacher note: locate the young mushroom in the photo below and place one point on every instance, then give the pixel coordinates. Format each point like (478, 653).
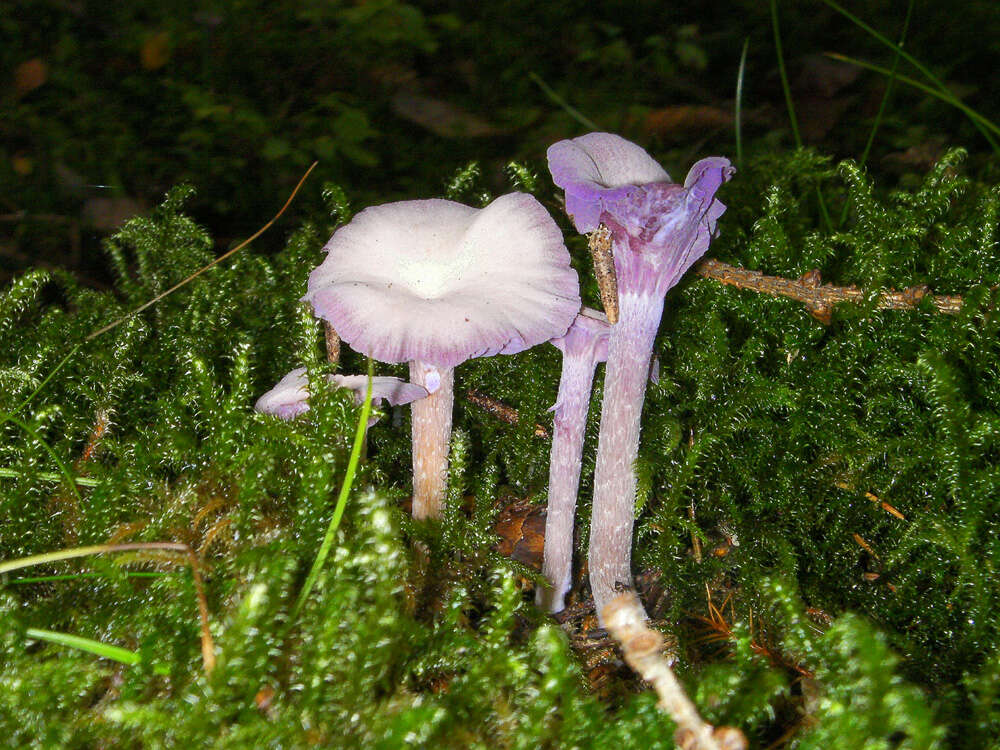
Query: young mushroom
(290, 397)
(434, 283)
(583, 346)
(658, 230)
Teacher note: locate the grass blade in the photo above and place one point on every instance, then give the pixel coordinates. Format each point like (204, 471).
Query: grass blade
(948, 95)
(738, 115)
(95, 549)
(888, 90)
(76, 576)
(791, 107)
(104, 650)
(789, 103)
(883, 105)
(49, 476)
(207, 644)
(980, 120)
(48, 449)
(566, 106)
(338, 511)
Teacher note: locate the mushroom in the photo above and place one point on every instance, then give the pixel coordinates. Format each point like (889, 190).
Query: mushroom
(290, 397)
(583, 346)
(434, 283)
(658, 230)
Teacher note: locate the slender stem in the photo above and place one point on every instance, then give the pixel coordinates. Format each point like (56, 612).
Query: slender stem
(431, 436)
(738, 115)
(791, 107)
(204, 268)
(630, 350)
(48, 449)
(570, 110)
(565, 460)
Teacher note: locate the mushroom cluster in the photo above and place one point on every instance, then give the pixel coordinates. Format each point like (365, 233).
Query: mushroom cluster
(433, 283)
(658, 230)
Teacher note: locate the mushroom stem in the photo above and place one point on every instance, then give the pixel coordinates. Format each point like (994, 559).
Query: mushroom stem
(431, 437)
(568, 431)
(629, 353)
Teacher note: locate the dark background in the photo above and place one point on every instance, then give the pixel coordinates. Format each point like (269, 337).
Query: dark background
(105, 106)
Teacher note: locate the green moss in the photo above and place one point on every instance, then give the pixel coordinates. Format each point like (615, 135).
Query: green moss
(767, 422)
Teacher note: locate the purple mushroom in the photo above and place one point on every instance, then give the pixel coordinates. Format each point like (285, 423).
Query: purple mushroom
(658, 230)
(583, 346)
(290, 397)
(434, 283)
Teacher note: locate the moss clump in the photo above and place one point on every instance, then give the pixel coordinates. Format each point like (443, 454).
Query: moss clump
(767, 428)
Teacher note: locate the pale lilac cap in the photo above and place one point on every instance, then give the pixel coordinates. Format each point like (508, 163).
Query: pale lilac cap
(441, 282)
(290, 397)
(598, 171)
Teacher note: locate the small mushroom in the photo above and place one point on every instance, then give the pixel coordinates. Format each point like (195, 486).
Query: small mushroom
(583, 346)
(658, 230)
(434, 283)
(290, 397)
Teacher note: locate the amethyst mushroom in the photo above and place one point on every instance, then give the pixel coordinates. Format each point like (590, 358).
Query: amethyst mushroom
(658, 230)
(290, 397)
(434, 283)
(583, 346)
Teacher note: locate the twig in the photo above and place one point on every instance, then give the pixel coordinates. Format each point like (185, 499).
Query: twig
(820, 298)
(604, 270)
(695, 541)
(204, 268)
(642, 646)
(500, 410)
(332, 343)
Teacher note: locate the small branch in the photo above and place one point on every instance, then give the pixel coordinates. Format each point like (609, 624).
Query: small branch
(604, 270)
(820, 298)
(332, 343)
(500, 410)
(642, 647)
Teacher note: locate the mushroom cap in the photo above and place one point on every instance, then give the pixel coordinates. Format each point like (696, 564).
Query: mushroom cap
(441, 282)
(597, 171)
(663, 230)
(290, 397)
(587, 337)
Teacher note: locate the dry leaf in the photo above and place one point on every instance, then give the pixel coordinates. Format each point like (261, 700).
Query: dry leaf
(441, 117)
(155, 52)
(22, 165)
(29, 75)
(684, 120)
(107, 214)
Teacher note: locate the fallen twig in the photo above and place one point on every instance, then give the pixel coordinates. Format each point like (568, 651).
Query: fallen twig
(642, 647)
(820, 298)
(500, 410)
